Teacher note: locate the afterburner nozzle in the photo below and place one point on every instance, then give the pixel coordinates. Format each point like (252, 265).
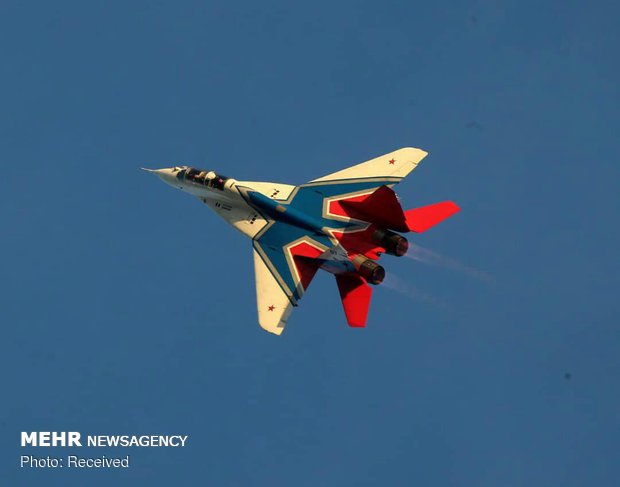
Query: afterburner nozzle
(369, 269)
(393, 243)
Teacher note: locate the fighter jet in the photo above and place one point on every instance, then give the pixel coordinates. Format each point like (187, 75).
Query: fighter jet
(341, 223)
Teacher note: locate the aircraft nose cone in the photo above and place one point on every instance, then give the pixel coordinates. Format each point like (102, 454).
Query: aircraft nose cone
(158, 171)
(167, 175)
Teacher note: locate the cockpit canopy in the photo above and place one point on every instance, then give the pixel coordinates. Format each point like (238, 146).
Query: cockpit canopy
(198, 176)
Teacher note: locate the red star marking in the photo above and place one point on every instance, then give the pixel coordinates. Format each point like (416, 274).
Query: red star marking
(271, 308)
(392, 161)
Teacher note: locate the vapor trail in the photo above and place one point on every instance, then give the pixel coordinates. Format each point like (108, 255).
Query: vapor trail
(427, 256)
(403, 287)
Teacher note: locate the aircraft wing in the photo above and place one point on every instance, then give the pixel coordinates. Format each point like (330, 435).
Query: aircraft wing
(387, 169)
(273, 305)
(285, 262)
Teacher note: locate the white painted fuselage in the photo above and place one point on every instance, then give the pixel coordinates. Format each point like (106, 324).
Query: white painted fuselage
(224, 195)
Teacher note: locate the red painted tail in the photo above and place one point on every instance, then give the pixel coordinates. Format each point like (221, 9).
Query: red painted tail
(383, 209)
(355, 295)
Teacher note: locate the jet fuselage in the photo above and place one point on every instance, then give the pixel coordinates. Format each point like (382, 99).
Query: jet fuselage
(342, 222)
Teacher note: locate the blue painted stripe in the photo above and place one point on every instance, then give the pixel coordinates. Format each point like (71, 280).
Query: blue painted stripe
(303, 214)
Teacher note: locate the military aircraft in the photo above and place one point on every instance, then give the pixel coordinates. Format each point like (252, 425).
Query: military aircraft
(341, 223)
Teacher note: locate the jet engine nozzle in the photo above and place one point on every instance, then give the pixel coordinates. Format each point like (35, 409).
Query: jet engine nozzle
(393, 243)
(369, 269)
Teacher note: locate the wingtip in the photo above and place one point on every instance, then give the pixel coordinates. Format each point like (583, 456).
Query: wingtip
(275, 330)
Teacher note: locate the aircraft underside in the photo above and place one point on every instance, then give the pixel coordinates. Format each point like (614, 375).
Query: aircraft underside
(341, 223)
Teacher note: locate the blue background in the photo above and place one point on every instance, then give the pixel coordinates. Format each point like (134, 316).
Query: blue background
(129, 308)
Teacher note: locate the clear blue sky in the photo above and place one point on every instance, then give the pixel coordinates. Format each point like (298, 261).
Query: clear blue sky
(127, 307)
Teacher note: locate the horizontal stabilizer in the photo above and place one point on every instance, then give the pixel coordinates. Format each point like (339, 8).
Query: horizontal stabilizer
(381, 208)
(355, 294)
(421, 219)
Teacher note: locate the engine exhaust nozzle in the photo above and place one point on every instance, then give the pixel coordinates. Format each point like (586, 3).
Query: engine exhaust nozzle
(369, 269)
(393, 243)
